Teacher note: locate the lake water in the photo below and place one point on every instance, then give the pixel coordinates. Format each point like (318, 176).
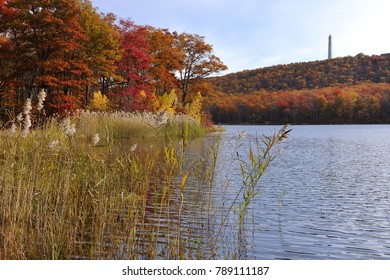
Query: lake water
(325, 196)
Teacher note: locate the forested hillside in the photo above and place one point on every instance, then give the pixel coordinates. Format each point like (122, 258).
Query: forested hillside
(318, 74)
(341, 90)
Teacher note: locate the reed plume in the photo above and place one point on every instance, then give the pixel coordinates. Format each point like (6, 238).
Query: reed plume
(26, 120)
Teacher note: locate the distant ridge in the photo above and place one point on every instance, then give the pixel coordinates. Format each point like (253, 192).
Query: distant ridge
(317, 74)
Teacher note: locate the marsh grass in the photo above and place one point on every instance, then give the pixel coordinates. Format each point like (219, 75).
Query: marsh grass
(116, 186)
(65, 195)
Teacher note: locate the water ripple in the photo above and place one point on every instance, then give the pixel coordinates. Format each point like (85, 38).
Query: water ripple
(336, 181)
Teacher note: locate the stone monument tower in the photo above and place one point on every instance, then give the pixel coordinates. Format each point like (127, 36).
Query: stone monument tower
(330, 47)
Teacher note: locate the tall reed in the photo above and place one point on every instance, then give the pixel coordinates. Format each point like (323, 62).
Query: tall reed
(253, 169)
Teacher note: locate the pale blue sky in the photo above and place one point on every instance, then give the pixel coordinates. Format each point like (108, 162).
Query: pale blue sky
(249, 34)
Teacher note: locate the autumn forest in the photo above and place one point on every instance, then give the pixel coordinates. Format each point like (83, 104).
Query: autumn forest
(85, 59)
(340, 90)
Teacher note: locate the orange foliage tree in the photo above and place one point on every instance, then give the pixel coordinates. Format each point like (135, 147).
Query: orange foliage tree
(45, 50)
(198, 62)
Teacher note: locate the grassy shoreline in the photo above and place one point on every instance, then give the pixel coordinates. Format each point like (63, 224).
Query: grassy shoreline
(60, 183)
(115, 186)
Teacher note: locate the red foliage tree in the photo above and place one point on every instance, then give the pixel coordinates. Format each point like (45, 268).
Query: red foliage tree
(134, 65)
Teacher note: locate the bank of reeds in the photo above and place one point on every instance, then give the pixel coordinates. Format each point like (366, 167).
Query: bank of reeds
(113, 186)
(72, 188)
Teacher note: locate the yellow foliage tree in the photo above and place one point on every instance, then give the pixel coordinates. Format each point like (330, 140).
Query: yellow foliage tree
(168, 102)
(99, 102)
(194, 108)
(142, 95)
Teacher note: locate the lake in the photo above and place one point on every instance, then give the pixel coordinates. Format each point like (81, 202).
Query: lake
(325, 196)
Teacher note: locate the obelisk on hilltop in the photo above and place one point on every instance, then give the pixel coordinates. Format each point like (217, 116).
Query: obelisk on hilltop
(330, 47)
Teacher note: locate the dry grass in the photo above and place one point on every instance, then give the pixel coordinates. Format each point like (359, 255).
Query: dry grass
(68, 191)
(114, 186)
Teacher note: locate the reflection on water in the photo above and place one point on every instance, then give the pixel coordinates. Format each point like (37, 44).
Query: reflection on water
(326, 196)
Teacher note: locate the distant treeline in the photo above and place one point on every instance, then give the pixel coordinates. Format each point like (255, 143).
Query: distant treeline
(364, 103)
(308, 75)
